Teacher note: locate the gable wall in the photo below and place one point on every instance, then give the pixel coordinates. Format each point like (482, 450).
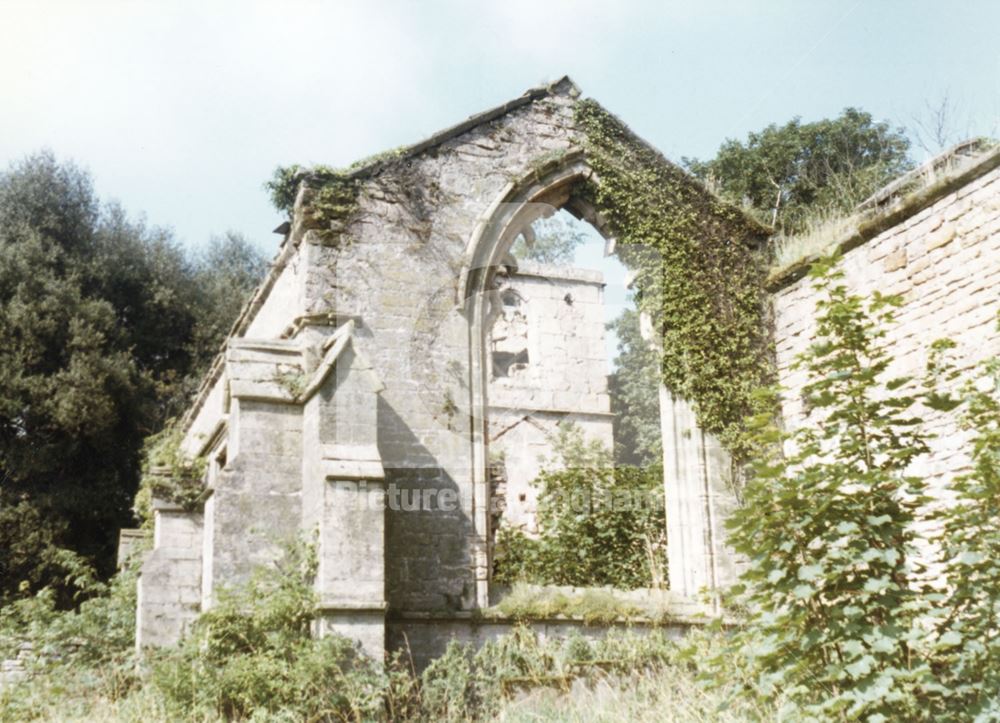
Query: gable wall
(396, 270)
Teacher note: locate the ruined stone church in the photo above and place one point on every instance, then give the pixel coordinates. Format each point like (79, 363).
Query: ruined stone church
(397, 348)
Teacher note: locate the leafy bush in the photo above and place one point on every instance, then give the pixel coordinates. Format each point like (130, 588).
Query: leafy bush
(167, 473)
(832, 586)
(77, 657)
(844, 617)
(253, 654)
(966, 638)
(598, 524)
(252, 657)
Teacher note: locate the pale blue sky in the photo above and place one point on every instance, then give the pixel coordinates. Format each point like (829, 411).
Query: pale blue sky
(182, 109)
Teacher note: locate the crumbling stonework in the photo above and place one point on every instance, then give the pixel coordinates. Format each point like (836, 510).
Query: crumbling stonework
(393, 377)
(361, 394)
(548, 367)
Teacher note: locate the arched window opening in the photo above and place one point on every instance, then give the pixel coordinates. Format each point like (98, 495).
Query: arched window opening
(568, 365)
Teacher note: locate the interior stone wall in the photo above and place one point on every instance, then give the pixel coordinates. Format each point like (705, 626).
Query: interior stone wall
(552, 317)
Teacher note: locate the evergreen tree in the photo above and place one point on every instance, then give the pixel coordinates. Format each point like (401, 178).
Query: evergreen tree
(104, 323)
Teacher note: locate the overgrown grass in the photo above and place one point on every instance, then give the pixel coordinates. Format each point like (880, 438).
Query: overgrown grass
(80, 658)
(531, 602)
(666, 693)
(593, 605)
(253, 657)
(822, 228)
(823, 231)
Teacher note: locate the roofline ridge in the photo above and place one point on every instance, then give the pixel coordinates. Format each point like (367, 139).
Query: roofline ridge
(564, 85)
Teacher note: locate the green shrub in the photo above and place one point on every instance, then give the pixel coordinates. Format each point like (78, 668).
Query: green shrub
(252, 653)
(167, 473)
(843, 616)
(828, 527)
(965, 637)
(78, 657)
(598, 524)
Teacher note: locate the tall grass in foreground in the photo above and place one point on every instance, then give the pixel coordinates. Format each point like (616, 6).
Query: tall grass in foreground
(252, 657)
(666, 695)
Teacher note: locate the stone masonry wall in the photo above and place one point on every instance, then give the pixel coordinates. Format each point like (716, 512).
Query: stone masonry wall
(945, 262)
(391, 276)
(397, 271)
(549, 367)
(170, 577)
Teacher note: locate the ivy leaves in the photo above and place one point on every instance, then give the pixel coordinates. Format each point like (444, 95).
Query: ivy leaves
(699, 271)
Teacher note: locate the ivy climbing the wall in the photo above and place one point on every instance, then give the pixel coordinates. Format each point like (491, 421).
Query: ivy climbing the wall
(700, 266)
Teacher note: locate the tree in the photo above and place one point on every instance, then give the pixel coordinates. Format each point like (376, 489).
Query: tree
(634, 387)
(937, 125)
(100, 317)
(786, 174)
(553, 240)
(224, 275)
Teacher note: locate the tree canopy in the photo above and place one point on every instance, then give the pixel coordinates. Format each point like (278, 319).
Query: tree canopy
(554, 241)
(786, 174)
(106, 323)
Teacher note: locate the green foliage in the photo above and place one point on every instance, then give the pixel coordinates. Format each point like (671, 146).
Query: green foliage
(832, 585)
(106, 326)
(74, 391)
(787, 174)
(465, 684)
(77, 656)
(555, 241)
(167, 473)
(330, 198)
(634, 388)
(33, 556)
(283, 186)
(594, 605)
(330, 201)
(598, 525)
(657, 688)
(226, 272)
(252, 654)
(966, 639)
(700, 269)
(252, 657)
